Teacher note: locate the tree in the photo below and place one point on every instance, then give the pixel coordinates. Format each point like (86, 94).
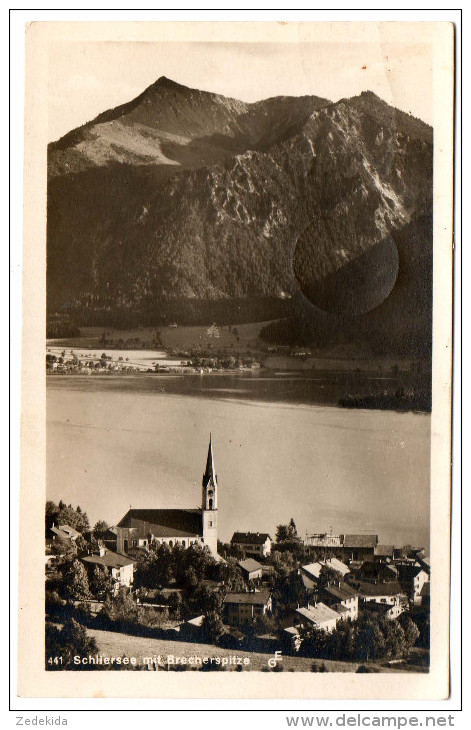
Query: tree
(75, 581)
(368, 640)
(77, 520)
(264, 624)
(120, 609)
(212, 627)
(174, 602)
(52, 510)
(411, 631)
(66, 643)
(102, 584)
(328, 576)
(101, 526)
(394, 639)
(286, 533)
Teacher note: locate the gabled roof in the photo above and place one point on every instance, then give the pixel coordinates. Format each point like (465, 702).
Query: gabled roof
(308, 583)
(250, 538)
(258, 598)
(360, 541)
(164, 522)
(65, 534)
(108, 560)
(391, 588)
(318, 614)
(249, 565)
(407, 572)
(336, 564)
(312, 570)
(384, 551)
(342, 592)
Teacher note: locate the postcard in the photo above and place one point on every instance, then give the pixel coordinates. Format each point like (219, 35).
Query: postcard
(236, 390)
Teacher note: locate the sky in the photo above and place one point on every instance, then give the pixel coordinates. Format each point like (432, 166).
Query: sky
(89, 77)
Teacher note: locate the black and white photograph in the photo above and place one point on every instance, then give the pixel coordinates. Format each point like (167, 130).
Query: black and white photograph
(240, 298)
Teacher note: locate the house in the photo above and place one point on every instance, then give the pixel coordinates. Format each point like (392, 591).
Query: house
(251, 569)
(390, 612)
(348, 547)
(319, 616)
(140, 528)
(192, 629)
(120, 567)
(424, 563)
(243, 608)
(342, 598)
(376, 571)
(65, 532)
(412, 579)
(290, 639)
(425, 595)
(389, 593)
(325, 540)
(384, 553)
(359, 547)
(254, 543)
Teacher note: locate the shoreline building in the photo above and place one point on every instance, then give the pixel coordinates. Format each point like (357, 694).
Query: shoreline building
(140, 528)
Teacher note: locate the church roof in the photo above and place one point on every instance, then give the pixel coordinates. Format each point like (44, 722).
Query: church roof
(164, 522)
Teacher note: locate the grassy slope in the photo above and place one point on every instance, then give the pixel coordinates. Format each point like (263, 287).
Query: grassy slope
(116, 644)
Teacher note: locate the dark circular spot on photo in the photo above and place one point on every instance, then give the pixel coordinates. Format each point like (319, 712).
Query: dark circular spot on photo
(340, 281)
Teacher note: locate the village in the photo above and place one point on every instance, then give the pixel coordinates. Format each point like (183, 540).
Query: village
(325, 602)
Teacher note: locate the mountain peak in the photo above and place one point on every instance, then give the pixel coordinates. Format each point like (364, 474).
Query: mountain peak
(165, 81)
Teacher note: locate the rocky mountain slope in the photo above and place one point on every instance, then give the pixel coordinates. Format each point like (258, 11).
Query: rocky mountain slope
(182, 203)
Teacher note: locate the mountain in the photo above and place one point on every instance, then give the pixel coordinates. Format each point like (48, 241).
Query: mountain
(190, 205)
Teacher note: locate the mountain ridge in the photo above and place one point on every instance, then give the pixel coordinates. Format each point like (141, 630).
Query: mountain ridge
(183, 194)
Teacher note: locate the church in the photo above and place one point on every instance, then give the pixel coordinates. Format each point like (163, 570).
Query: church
(145, 527)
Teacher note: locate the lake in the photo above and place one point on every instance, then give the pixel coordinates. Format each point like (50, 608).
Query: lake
(280, 452)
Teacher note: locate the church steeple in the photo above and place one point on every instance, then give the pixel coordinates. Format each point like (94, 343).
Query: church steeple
(210, 481)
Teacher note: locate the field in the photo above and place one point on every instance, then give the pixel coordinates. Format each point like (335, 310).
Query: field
(115, 644)
(233, 338)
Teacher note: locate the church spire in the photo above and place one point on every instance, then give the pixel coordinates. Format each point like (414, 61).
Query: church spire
(209, 474)
(210, 480)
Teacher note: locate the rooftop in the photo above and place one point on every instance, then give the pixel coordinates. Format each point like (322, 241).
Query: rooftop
(164, 522)
(258, 598)
(336, 564)
(360, 541)
(392, 588)
(343, 591)
(250, 565)
(250, 538)
(318, 614)
(108, 560)
(384, 551)
(312, 569)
